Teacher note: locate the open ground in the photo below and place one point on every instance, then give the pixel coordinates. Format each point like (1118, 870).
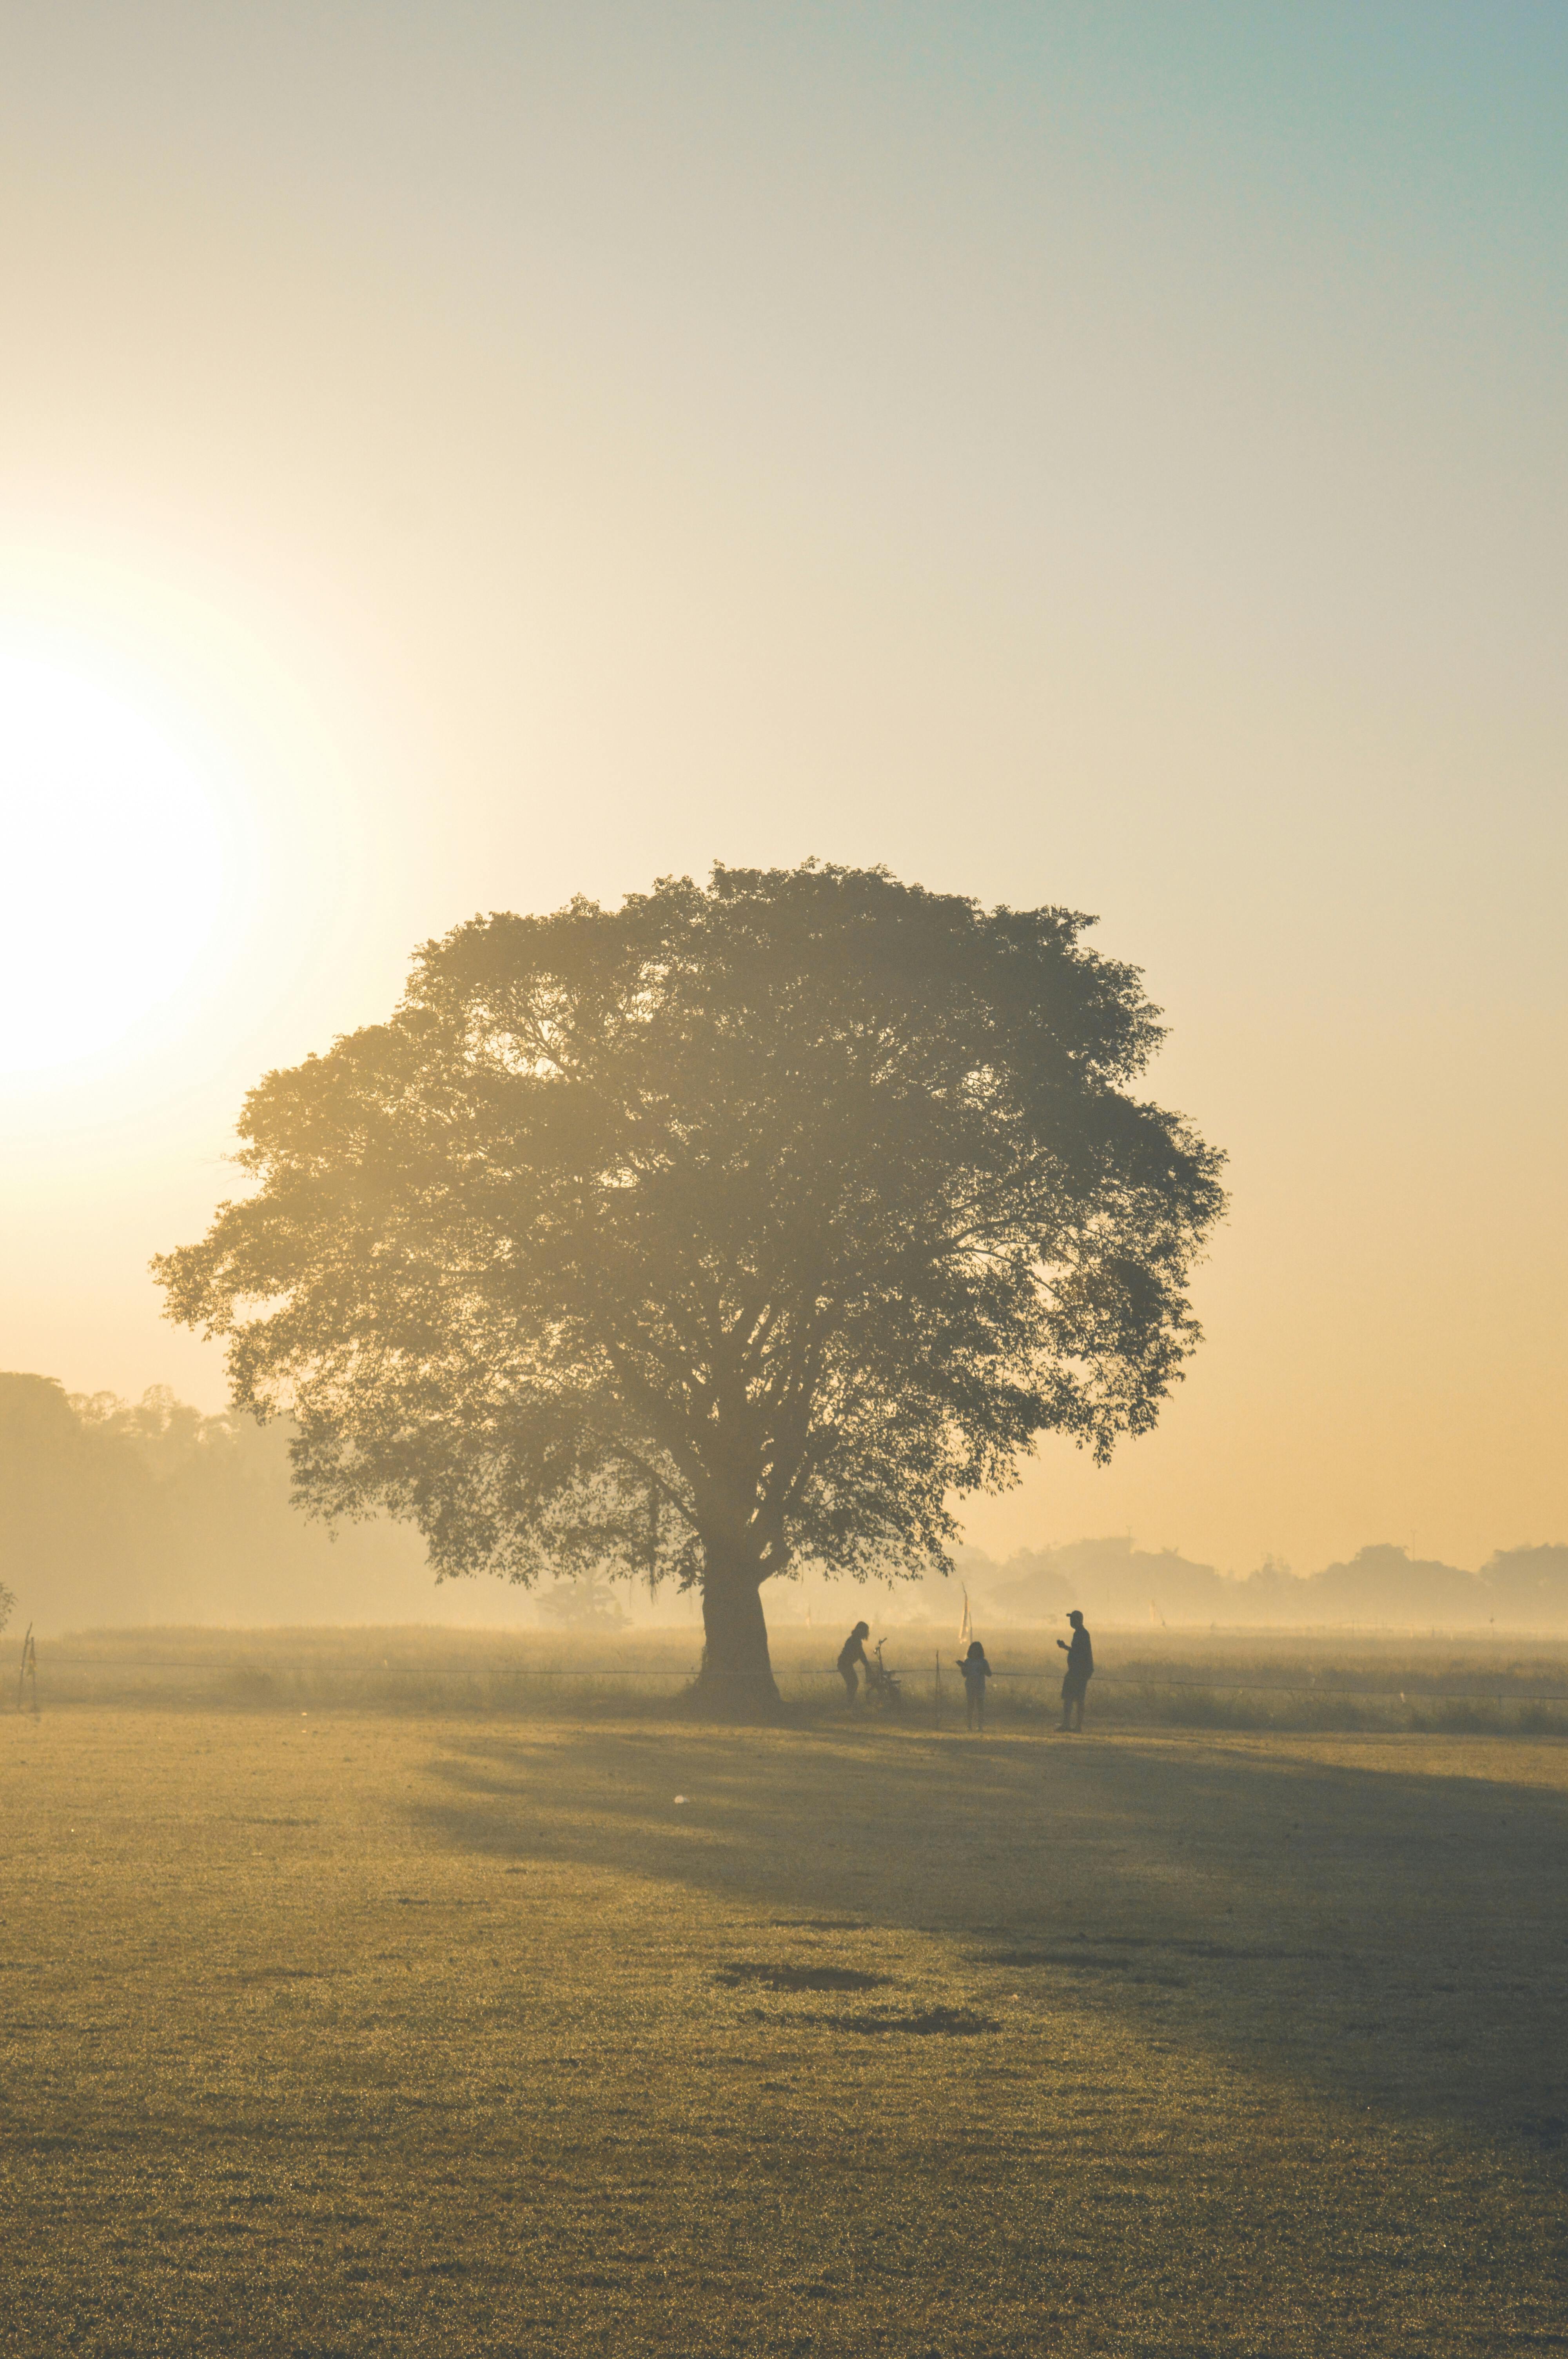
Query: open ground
(352, 2031)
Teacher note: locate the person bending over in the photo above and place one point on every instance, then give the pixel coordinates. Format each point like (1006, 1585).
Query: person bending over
(976, 1671)
(1080, 1671)
(851, 1652)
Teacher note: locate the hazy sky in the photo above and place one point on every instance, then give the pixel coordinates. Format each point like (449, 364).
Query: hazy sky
(456, 456)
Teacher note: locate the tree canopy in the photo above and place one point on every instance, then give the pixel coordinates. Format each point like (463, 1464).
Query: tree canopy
(743, 1226)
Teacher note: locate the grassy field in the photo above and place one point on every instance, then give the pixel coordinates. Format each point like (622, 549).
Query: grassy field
(1191, 1678)
(358, 2032)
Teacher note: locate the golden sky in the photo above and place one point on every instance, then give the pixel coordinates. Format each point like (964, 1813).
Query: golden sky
(451, 458)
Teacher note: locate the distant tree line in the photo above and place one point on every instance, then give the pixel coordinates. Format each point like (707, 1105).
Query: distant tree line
(114, 1512)
(1522, 1588)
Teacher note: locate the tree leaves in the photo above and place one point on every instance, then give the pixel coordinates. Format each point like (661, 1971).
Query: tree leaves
(798, 1203)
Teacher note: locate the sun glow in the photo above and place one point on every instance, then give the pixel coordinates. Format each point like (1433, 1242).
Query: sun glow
(119, 883)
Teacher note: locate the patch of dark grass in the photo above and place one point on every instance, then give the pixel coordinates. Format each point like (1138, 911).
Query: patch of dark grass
(817, 1924)
(787, 1977)
(920, 2022)
(924, 2023)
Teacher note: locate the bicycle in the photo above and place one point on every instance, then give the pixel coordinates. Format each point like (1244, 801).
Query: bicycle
(884, 1689)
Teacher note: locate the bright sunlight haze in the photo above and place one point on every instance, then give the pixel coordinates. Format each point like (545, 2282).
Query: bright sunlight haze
(1112, 460)
(115, 880)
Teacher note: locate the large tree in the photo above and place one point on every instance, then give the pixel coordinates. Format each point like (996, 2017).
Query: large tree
(740, 1227)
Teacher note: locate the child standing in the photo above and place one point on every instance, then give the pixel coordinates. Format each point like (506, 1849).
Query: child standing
(976, 1671)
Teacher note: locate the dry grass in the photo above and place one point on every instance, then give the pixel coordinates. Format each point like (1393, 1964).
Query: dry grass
(1181, 1680)
(1295, 1682)
(346, 2033)
(419, 1668)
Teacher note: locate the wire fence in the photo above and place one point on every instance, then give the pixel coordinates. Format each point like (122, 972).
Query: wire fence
(1046, 1675)
(926, 1690)
(1171, 1699)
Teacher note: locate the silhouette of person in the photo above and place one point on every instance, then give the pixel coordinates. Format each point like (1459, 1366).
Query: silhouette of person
(1080, 1671)
(851, 1652)
(976, 1671)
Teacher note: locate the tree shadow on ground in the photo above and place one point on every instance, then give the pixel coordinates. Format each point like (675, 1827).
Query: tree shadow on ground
(1396, 1938)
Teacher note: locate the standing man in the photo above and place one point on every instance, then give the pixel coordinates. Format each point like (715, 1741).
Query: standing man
(851, 1652)
(1080, 1671)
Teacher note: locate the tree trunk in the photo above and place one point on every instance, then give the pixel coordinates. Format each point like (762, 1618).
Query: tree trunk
(736, 1681)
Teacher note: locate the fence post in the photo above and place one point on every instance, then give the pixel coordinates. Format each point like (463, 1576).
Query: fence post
(29, 1670)
(938, 1687)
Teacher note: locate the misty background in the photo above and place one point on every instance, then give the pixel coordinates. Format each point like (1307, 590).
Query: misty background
(150, 1512)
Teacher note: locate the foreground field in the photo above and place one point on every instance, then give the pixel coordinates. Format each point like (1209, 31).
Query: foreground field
(345, 2034)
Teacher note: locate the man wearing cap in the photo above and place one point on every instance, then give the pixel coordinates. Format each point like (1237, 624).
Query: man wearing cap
(1080, 1671)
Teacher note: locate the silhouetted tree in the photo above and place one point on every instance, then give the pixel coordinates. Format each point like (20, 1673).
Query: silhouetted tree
(739, 1226)
(1528, 1586)
(584, 1602)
